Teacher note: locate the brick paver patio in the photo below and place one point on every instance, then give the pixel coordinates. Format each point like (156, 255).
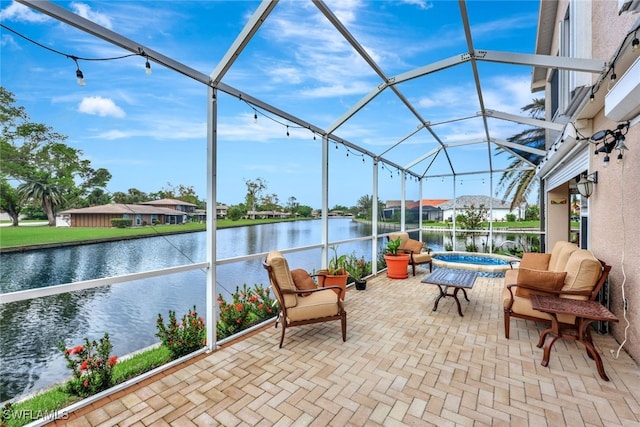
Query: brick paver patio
(402, 364)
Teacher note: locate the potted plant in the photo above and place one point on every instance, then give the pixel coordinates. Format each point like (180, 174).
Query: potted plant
(358, 268)
(397, 262)
(336, 273)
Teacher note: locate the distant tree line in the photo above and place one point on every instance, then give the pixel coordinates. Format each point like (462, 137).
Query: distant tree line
(41, 175)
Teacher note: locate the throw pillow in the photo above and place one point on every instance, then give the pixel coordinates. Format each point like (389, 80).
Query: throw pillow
(538, 281)
(535, 261)
(303, 281)
(414, 246)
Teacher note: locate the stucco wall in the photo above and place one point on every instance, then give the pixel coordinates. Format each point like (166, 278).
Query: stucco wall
(613, 208)
(615, 231)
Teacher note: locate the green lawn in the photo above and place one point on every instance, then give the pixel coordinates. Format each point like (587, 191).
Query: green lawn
(37, 235)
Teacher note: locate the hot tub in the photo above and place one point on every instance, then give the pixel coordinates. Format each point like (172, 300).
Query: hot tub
(487, 265)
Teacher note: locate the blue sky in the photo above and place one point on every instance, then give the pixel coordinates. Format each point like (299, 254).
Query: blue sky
(150, 130)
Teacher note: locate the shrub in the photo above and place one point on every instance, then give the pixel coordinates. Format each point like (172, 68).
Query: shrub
(182, 338)
(121, 223)
(91, 365)
(511, 217)
(249, 307)
(357, 268)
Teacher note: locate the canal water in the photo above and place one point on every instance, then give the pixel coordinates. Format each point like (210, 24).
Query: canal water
(31, 330)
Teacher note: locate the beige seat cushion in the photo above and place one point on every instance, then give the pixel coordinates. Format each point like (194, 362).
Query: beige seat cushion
(523, 306)
(560, 255)
(583, 271)
(413, 245)
(318, 304)
(421, 258)
(282, 274)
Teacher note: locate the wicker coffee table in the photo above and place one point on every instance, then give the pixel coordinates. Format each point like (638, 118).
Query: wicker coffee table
(446, 278)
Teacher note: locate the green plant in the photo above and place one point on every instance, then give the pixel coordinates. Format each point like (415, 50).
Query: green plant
(337, 264)
(248, 307)
(121, 223)
(357, 267)
(91, 365)
(182, 338)
(392, 246)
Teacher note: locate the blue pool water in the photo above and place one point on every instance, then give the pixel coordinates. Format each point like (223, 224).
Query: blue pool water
(471, 259)
(487, 265)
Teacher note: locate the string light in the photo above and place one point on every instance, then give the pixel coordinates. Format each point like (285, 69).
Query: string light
(612, 81)
(255, 116)
(79, 75)
(147, 67)
(635, 43)
(288, 136)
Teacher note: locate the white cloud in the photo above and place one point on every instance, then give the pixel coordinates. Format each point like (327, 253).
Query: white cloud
(18, 12)
(422, 4)
(103, 107)
(85, 11)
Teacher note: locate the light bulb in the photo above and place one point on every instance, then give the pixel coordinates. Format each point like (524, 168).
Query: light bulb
(147, 68)
(635, 44)
(619, 158)
(605, 164)
(612, 81)
(255, 117)
(80, 77)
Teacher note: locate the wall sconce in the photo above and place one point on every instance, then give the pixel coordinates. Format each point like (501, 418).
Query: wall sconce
(611, 140)
(585, 184)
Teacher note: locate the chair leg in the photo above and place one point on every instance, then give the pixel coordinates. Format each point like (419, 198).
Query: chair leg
(343, 320)
(284, 327)
(507, 323)
(431, 266)
(414, 269)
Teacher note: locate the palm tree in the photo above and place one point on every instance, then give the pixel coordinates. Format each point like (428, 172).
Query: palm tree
(43, 191)
(516, 181)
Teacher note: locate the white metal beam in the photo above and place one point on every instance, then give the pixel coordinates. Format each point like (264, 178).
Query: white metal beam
(243, 39)
(518, 146)
(525, 120)
(431, 68)
(560, 62)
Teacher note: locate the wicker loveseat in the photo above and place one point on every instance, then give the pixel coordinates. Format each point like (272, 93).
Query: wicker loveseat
(566, 272)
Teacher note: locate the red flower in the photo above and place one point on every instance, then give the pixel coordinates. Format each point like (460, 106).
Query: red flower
(112, 360)
(77, 349)
(239, 307)
(260, 306)
(84, 365)
(86, 383)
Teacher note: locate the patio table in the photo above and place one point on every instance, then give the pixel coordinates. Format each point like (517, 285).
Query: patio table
(446, 278)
